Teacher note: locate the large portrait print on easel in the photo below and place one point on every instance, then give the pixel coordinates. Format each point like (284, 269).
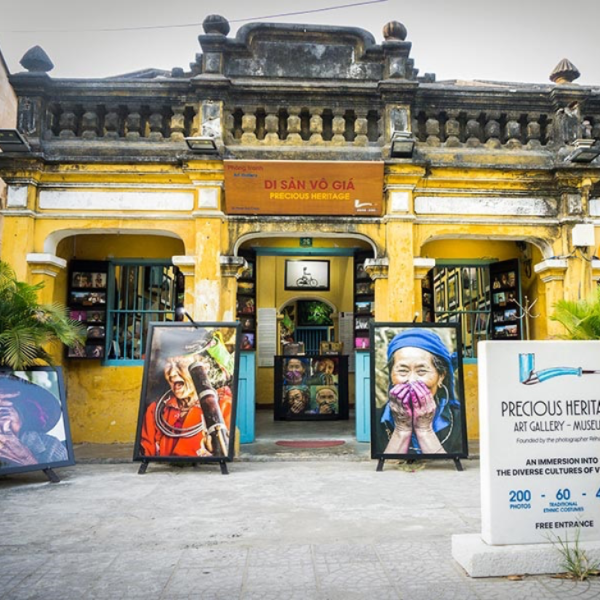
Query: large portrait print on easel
(417, 400)
(34, 426)
(188, 401)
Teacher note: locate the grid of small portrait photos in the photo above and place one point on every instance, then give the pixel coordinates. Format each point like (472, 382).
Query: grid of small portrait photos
(87, 305)
(311, 388)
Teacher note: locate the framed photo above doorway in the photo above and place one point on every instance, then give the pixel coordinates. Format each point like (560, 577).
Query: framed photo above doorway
(310, 275)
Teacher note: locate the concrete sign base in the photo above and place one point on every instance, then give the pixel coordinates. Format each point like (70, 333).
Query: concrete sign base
(479, 559)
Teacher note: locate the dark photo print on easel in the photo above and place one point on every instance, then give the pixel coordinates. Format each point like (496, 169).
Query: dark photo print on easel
(34, 425)
(188, 401)
(417, 399)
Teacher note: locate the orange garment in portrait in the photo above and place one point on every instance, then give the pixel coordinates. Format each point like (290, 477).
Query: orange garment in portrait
(154, 442)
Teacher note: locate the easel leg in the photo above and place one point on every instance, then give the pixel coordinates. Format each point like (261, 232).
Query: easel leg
(380, 463)
(458, 464)
(51, 475)
(223, 466)
(143, 467)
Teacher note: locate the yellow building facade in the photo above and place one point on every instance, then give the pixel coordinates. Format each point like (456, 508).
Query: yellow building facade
(490, 175)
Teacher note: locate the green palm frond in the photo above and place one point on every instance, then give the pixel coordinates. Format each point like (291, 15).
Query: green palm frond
(580, 318)
(27, 327)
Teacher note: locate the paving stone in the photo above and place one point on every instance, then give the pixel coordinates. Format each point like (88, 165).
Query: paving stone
(301, 576)
(280, 555)
(300, 531)
(203, 580)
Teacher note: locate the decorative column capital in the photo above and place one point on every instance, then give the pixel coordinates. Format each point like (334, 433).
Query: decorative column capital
(186, 264)
(233, 266)
(422, 266)
(377, 268)
(46, 264)
(552, 269)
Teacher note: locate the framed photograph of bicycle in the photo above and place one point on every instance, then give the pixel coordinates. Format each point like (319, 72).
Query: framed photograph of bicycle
(188, 400)
(34, 426)
(417, 397)
(307, 275)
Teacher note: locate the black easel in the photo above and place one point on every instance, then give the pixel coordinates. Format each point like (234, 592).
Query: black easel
(51, 475)
(456, 461)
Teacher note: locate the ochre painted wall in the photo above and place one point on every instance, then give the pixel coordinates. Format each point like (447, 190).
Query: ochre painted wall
(103, 401)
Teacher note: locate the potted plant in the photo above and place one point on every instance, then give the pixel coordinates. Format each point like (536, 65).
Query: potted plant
(27, 327)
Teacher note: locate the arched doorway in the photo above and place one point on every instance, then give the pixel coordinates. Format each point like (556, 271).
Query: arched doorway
(287, 313)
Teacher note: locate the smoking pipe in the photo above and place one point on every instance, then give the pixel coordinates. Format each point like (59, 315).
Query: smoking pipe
(529, 376)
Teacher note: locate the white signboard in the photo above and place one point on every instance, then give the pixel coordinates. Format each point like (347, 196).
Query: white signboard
(539, 406)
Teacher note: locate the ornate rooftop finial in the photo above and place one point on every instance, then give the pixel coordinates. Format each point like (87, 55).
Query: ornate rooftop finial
(394, 31)
(36, 60)
(216, 24)
(564, 72)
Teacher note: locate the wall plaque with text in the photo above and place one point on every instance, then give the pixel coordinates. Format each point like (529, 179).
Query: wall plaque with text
(303, 188)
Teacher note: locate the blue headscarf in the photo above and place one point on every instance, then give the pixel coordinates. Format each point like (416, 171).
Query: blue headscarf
(431, 342)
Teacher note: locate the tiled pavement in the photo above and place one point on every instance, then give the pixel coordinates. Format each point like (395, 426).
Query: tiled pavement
(321, 529)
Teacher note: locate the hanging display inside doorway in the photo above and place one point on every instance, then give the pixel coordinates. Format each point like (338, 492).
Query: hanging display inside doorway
(34, 426)
(308, 275)
(188, 402)
(417, 399)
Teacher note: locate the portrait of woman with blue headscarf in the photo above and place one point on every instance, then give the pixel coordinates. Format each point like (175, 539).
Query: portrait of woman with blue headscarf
(422, 414)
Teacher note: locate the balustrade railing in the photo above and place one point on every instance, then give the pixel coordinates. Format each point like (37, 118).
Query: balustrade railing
(303, 126)
(297, 126)
(486, 129)
(133, 122)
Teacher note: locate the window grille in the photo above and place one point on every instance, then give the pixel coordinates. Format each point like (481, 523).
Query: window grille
(312, 338)
(139, 292)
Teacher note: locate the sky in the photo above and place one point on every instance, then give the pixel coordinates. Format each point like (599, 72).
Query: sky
(507, 40)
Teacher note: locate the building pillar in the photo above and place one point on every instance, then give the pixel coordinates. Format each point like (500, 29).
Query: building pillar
(18, 225)
(377, 269)
(206, 290)
(552, 273)
(400, 253)
(579, 278)
(232, 268)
